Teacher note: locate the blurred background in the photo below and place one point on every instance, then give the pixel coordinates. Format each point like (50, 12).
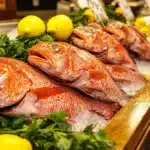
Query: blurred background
(15, 9)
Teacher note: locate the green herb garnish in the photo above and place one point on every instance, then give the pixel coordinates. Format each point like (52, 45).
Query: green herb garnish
(78, 18)
(54, 133)
(110, 11)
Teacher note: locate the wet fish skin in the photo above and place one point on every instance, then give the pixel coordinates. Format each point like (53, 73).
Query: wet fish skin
(44, 95)
(76, 68)
(14, 84)
(131, 38)
(73, 105)
(95, 40)
(127, 79)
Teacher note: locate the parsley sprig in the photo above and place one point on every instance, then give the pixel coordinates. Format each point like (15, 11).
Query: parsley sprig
(54, 133)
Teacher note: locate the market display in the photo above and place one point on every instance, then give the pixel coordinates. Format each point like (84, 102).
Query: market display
(131, 38)
(94, 39)
(38, 95)
(77, 68)
(61, 83)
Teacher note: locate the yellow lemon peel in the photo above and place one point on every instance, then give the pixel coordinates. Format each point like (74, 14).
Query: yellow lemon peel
(31, 26)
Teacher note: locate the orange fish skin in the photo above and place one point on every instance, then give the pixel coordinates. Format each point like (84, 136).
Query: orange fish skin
(14, 84)
(128, 81)
(44, 95)
(95, 40)
(131, 38)
(76, 68)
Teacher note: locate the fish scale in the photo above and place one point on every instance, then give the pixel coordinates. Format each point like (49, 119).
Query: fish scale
(101, 41)
(78, 69)
(131, 38)
(45, 95)
(108, 50)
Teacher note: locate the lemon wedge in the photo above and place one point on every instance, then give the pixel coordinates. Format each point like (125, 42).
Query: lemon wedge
(31, 26)
(60, 26)
(146, 30)
(140, 22)
(13, 142)
(119, 11)
(91, 17)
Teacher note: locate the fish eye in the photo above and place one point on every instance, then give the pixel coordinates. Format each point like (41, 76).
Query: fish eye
(55, 47)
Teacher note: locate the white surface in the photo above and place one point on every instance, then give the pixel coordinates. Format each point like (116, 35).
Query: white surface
(97, 6)
(12, 34)
(126, 9)
(143, 66)
(83, 3)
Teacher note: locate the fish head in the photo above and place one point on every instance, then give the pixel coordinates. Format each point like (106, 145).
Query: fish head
(141, 45)
(87, 33)
(49, 55)
(89, 38)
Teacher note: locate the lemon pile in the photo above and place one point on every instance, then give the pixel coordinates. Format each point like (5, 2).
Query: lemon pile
(89, 13)
(119, 11)
(13, 142)
(60, 26)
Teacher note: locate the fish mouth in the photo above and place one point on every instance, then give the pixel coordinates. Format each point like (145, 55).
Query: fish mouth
(78, 33)
(38, 53)
(40, 63)
(40, 58)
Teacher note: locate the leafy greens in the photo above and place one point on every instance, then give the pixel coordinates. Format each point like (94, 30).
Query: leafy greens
(110, 11)
(78, 18)
(18, 48)
(53, 133)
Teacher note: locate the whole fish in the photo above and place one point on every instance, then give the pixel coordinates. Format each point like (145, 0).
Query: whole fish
(131, 38)
(95, 40)
(27, 91)
(76, 68)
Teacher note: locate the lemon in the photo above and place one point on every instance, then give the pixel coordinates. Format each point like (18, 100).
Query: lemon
(119, 11)
(60, 26)
(31, 26)
(13, 142)
(140, 22)
(91, 17)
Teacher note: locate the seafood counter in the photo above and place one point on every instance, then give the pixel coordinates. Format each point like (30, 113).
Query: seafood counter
(92, 75)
